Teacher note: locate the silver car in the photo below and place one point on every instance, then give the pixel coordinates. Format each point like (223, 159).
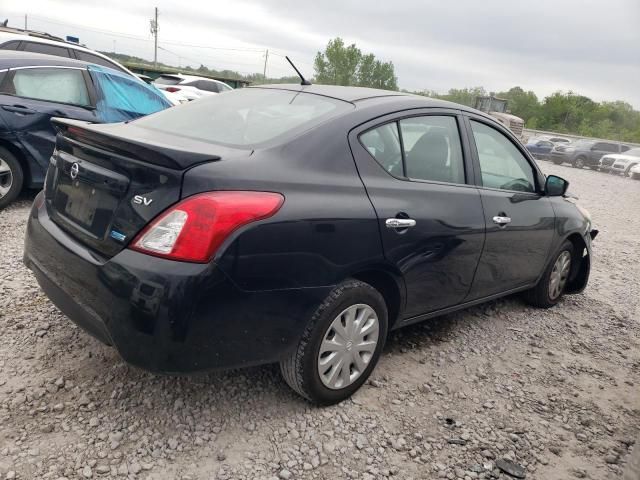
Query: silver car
(620, 163)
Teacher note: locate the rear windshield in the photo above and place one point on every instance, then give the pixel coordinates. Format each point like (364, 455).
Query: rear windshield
(246, 117)
(167, 80)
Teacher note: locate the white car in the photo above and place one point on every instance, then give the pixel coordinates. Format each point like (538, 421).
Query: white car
(620, 163)
(190, 86)
(28, 41)
(635, 172)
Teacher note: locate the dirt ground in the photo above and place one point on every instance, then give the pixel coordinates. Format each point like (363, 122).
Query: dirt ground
(555, 391)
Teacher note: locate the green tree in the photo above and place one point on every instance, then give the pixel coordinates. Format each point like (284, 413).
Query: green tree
(347, 65)
(522, 104)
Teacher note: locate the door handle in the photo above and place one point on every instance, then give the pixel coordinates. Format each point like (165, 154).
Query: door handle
(400, 222)
(501, 220)
(18, 109)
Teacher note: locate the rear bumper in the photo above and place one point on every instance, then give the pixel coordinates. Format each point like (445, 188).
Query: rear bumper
(162, 315)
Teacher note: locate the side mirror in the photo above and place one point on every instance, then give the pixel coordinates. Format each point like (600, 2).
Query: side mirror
(555, 186)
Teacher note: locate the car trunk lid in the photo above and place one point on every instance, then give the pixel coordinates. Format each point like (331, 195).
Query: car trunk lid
(106, 182)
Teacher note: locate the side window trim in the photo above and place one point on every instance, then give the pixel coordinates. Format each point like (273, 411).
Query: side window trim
(467, 163)
(537, 174)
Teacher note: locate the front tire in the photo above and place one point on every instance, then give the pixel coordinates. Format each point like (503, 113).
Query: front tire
(340, 346)
(579, 162)
(11, 177)
(551, 286)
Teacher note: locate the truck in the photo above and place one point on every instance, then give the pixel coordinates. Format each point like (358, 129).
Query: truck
(497, 108)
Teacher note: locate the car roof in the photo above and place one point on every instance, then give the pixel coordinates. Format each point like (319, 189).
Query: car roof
(35, 38)
(362, 94)
(14, 59)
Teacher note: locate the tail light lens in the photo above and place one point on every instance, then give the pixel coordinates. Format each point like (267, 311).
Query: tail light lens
(172, 89)
(193, 229)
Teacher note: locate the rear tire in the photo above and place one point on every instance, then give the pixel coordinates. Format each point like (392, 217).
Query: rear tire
(551, 286)
(579, 162)
(311, 368)
(11, 177)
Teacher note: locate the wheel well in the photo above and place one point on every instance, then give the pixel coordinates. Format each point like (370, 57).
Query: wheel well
(16, 152)
(384, 283)
(580, 273)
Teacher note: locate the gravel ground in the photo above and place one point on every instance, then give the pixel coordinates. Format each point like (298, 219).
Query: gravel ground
(554, 391)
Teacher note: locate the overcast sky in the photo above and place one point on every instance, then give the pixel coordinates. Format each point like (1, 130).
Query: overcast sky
(590, 47)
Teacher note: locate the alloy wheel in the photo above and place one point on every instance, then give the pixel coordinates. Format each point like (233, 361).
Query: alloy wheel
(6, 178)
(559, 275)
(348, 346)
(579, 163)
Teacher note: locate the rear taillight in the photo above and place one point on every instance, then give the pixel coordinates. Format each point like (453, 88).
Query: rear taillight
(172, 89)
(193, 229)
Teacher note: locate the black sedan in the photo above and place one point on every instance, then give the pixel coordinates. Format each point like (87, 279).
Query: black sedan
(295, 224)
(35, 87)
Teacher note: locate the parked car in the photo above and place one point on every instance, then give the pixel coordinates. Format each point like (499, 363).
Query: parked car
(584, 153)
(620, 163)
(175, 98)
(292, 224)
(190, 87)
(35, 87)
(635, 172)
(539, 147)
(38, 42)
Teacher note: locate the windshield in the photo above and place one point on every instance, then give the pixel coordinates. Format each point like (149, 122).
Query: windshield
(246, 117)
(634, 152)
(498, 106)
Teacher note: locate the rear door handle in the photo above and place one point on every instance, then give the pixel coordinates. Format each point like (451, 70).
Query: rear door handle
(400, 222)
(18, 109)
(502, 221)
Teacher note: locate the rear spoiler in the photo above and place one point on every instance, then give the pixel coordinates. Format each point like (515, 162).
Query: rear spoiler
(114, 139)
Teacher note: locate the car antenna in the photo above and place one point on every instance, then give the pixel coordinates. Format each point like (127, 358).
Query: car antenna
(304, 80)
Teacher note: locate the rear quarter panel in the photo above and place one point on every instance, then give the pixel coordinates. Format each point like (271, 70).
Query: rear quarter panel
(326, 229)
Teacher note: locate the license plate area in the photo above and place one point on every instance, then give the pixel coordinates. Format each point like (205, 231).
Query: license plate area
(86, 206)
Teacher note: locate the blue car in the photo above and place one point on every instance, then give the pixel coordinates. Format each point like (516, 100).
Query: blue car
(35, 88)
(539, 148)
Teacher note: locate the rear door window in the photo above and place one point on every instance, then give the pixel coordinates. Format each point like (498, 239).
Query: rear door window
(12, 45)
(502, 165)
(432, 149)
(46, 49)
(383, 143)
(62, 85)
(124, 98)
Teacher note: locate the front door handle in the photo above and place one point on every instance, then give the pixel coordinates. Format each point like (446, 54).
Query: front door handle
(18, 109)
(400, 222)
(501, 220)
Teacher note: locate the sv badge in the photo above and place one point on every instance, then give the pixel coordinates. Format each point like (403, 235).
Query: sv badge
(140, 200)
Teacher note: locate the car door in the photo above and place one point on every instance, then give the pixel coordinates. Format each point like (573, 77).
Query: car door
(30, 96)
(519, 218)
(417, 173)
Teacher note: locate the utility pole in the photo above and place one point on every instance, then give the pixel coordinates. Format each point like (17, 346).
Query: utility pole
(266, 57)
(154, 32)
(25, 21)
